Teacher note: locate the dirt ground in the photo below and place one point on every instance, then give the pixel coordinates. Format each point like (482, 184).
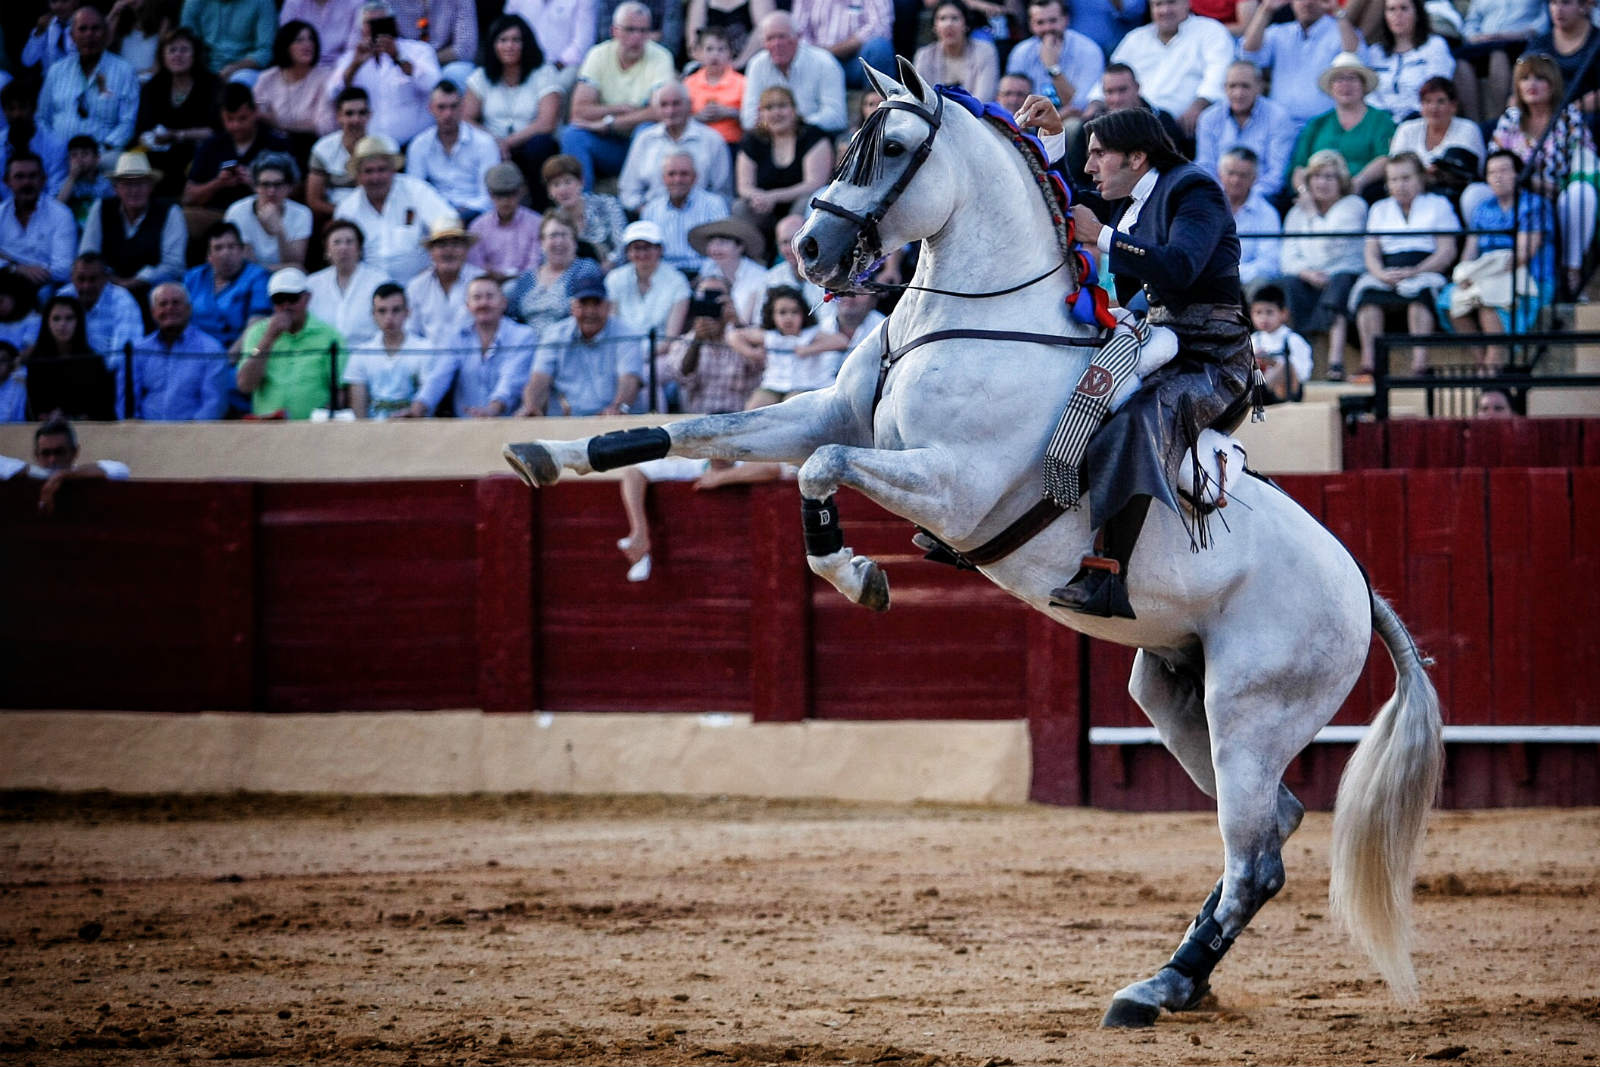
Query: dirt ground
(655, 930)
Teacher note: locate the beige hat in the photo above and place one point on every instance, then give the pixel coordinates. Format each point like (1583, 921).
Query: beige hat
(374, 144)
(135, 166)
(445, 227)
(755, 246)
(1348, 61)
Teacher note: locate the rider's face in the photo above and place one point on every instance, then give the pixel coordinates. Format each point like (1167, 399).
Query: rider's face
(1114, 173)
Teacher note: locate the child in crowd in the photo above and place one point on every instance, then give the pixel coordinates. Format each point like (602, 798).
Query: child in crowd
(1283, 356)
(84, 183)
(800, 357)
(716, 89)
(385, 372)
(13, 384)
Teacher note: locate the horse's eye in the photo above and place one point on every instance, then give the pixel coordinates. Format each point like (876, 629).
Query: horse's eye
(893, 148)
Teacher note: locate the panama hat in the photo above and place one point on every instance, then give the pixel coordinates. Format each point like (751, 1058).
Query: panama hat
(135, 166)
(447, 226)
(372, 145)
(755, 246)
(1347, 61)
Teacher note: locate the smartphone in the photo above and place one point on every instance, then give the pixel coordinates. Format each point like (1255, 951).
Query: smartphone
(384, 27)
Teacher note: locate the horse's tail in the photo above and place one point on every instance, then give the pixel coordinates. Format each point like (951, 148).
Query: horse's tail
(1382, 810)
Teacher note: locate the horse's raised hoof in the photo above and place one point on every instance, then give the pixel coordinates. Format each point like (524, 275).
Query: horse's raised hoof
(1198, 999)
(533, 463)
(1130, 1015)
(874, 588)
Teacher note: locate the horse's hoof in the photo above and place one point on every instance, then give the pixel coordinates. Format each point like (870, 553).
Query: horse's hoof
(1197, 999)
(874, 588)
(533, 463)
(1130, 1015)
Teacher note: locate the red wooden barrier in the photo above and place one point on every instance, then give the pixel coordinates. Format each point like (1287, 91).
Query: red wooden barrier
(1421, 443)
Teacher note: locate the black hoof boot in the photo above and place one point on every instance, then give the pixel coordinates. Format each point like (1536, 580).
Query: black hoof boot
(1095, 592)
(1130, 1015)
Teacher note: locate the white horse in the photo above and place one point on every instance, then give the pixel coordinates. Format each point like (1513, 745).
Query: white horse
(1246, 648)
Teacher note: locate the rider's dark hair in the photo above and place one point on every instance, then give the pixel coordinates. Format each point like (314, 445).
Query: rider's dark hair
(1136, 130)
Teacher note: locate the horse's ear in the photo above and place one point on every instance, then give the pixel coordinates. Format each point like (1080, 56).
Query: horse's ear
(881, 83)
(911, 79)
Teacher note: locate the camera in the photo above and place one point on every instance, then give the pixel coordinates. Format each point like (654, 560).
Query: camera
(706, 307)
(384, 27)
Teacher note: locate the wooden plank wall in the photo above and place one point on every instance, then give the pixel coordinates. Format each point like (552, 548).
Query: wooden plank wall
(1409, 444)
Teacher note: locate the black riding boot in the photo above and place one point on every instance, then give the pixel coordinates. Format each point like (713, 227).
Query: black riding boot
(1101, 585)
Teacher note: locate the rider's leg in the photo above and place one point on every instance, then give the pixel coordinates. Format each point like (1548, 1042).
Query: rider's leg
(1101, 585)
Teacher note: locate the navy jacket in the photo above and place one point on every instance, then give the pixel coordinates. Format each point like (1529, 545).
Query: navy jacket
(1183, 248)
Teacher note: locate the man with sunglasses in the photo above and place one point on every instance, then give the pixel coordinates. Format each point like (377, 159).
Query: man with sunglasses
(286, 366)
(95, 92)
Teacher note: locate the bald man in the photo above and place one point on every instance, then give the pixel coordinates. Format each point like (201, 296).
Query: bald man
(678, 131)
(811, 73)
(180, 374)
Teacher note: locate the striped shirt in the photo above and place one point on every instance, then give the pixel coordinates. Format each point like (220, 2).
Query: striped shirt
(825, 23)
(676, 222)
(102, 104)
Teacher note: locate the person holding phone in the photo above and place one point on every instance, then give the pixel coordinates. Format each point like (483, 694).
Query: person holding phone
(398, 74)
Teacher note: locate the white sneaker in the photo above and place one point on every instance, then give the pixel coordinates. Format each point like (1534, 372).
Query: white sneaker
(640, 571)
(625, 543)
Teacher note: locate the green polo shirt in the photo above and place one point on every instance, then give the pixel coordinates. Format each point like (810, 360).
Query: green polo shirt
(1367, 141)
(296, 374)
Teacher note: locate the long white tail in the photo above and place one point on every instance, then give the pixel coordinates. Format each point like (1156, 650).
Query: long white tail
(1382, 810)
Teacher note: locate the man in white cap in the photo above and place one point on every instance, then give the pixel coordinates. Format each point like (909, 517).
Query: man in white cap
(288, 368)
(141, 238)
(453, 156)
(438, 295)
(645, 293)
(392, 209)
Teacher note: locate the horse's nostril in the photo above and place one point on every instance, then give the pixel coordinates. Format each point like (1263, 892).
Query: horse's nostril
(809, 250)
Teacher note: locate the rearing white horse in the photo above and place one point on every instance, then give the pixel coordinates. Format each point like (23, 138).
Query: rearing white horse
(1246, 648)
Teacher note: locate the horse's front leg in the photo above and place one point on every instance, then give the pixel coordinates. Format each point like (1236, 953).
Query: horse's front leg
(923, 484)
(782, 433)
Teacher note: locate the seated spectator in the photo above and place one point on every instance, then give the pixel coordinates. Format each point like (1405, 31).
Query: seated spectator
(612, 98)
(598, 217)
(1013, 91)
(1119, 90)
(1282, 356)
(506, 236)
(1319, 271)
(85, 185)
(1572, 41)
(65, 376)
(13, 384)
(93, 92)
(111, 315)
(227, 292)
(1359, 133)
(390, 208)
(51, 37)
(811, 74)
(1405, 260)
(1181, 60)
(1061, 64)
(240, 33)
(1502, 283)
(852, 316)
(1546, 138)
(1291, 50)
(386, 371)
(716, 90)
(220, 173)
(674, 132)
(734, 24)
(341, 292)
(1494, 33)
(517, 97)
(329, 178)
(396, 73)
(666, 20)
(55, 459)
(799, 356)
(1431, 138)
(734, 250)
(19, 104)
(538, 299)
(438, 296)
(38, 236)
(786, 271)
(1258, 256)
(565, 30)
(453, 156)
(275, 229)
(19, 312)
(292, 94)
(852, 31)
(1404, 52)
(782, 162)
(141, 238)
(1247, 119)
(955, 57)
(487, 362)
(646, 294)
(177, 108)
(137, 27)
(449, 27)
(337, 22)
(680, 207)
(180, 372)
(711, 378)
(589, 363)
(289, 367)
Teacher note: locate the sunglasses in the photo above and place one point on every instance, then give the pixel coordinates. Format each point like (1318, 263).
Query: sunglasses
(285, 299)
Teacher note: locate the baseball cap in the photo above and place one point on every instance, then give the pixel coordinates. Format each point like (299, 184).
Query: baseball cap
(643, 230)
(586, 282)
(288, 280)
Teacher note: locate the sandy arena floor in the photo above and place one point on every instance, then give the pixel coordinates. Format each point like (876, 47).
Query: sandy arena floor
(662, 931)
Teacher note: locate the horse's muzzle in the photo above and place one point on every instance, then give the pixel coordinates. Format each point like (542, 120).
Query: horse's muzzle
(826, 248)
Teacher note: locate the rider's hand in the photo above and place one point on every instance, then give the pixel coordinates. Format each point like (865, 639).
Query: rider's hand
(1039, 111)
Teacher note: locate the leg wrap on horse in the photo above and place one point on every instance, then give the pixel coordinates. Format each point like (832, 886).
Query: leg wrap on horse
(623, 448)
(1201, 951)
(819, 519)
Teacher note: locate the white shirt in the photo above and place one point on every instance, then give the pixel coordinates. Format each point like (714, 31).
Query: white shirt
(1191, 66)
(455, 175)
(399, 100)
(392, 380)
(641, 171)
(332, 158)
(643, 312)
(348, 310)
(394, 237)
(1284, 343)
(262, 246)
(1397, 232)
(1141, 193)
(508, 108)
(50, 239)
(1412, 136)
(437, 313)
(1332, 255)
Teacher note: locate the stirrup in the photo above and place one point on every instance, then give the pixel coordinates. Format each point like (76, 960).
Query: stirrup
(1097, 589)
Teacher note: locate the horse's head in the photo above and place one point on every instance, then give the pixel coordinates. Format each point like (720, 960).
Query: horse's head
(891, 186)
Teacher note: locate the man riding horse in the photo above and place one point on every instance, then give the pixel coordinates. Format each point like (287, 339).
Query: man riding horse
(1172, 235)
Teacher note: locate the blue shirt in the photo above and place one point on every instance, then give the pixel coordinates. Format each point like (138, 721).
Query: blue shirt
(1298, 58)
(1081, 64)
(225, 314)
(1258, 256)
(184, 381)
(115, 320)
(481, 376)
(1103, 24)
(1532, 216)
(1269, 132)
(109, 96)
(585, 372)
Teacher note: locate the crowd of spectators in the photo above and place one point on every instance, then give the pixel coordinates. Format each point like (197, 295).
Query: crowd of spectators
(273, 208)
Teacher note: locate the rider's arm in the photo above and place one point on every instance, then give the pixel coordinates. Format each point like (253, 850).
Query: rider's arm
(1174, 263)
